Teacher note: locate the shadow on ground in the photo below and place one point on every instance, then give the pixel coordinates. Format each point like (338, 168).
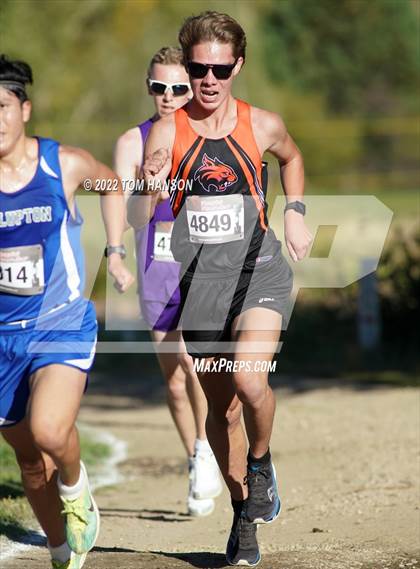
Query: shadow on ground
(146, 514)
(201, 559)
(17, 533)
(11, 489)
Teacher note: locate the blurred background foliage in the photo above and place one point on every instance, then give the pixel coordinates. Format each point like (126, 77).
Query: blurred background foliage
(344, 74)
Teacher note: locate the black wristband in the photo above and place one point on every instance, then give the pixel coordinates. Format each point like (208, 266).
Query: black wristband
(297, 206)
(120, 249)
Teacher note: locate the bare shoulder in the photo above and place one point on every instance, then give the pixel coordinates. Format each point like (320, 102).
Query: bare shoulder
(165, 125)
(162, 134)
(271, 134)
(129, 139)
(74, 160)
(267, 124)
(128, 152)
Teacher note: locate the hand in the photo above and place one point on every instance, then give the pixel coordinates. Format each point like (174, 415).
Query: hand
(123, 279)
(156, 169)
(297, 236)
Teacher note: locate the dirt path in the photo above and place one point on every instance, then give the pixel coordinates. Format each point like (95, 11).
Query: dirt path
(348, 465)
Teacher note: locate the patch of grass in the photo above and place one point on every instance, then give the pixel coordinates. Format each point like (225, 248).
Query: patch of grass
(15, 516)
(93, 452)
(395, 378)
(15, 512)
(8, 470)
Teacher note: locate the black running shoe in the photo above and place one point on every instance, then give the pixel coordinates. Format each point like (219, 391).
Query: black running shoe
(242, 547)
(263, 504)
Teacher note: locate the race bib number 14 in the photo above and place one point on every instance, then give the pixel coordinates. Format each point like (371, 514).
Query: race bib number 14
(22, 270)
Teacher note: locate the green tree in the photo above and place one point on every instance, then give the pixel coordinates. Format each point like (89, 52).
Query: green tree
(361, 56)
(356, 52)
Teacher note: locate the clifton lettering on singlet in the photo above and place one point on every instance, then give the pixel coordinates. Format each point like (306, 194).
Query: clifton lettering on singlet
(41, 214)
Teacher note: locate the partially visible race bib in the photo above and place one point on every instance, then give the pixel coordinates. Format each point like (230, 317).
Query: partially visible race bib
(215, 219)
(162, 245)
(22, 270)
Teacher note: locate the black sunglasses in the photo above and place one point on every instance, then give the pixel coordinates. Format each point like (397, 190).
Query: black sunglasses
(200, 70)
(160, 88)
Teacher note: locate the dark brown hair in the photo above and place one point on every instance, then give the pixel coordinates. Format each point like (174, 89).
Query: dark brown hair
(212, 26)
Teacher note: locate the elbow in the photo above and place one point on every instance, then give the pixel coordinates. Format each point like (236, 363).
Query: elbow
(135, 220)
(139, 211)
(299, 159)
(295, 162)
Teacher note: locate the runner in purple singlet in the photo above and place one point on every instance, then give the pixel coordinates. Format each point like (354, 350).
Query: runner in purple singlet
(158, 279)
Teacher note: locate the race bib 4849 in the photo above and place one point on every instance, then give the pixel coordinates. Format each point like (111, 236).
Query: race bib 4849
(215, 219)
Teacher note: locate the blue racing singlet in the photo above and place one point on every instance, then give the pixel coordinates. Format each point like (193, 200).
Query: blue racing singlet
(41, 259)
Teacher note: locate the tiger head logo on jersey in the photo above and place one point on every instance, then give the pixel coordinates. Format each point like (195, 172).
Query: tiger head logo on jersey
(214, 175)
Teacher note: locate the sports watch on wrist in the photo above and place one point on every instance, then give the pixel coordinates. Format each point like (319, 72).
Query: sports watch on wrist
(120, 249)
(297, 206)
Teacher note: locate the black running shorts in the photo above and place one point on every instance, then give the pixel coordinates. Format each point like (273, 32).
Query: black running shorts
(211, 303)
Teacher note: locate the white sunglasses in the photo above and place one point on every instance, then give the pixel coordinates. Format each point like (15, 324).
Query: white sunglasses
(160, 88)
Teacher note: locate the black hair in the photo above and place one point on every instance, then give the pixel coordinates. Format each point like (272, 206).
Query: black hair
(14, 76)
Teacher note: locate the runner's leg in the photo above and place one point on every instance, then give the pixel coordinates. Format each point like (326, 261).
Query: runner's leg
(263, 504)
(39, 479)
(52, 417)
(183, 413)
(252, 388)
(177, 395)
(224, 429)
(51, 420)
(207, 482)
(195, 393)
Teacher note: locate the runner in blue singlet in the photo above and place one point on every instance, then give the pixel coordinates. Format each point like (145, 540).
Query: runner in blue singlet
(47, 328)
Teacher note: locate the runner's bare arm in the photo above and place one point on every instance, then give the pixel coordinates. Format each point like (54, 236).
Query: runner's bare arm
(156, 168)
(271, 135)
(78, 167)
(128, 157)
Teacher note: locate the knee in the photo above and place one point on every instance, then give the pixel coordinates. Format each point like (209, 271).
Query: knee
(186, 362)
(177, 390)
(30, 463)
(50, 438)
(251, 390)
(33, 469)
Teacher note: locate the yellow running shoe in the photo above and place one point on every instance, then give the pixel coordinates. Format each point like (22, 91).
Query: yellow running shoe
(82, 520)
(75, 562)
